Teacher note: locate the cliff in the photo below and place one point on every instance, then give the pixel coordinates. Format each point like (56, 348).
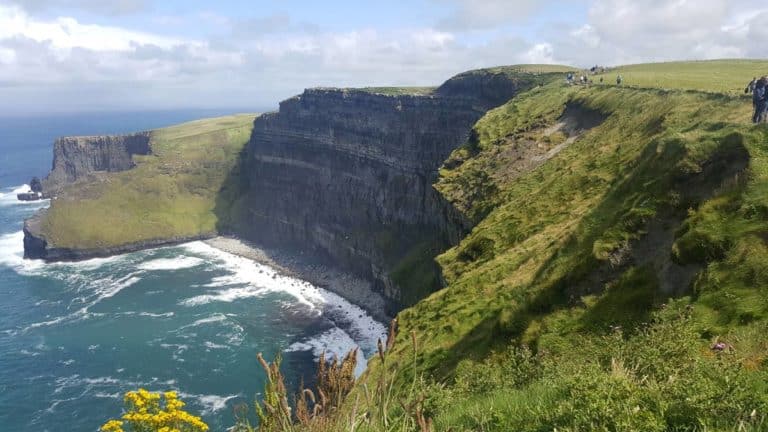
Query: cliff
(137, 201)
(344, 175)
(74, 158)
(347, 175)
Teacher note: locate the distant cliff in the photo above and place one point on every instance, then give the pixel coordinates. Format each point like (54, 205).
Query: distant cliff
(77, 157)
(347, 174)
(108, 201)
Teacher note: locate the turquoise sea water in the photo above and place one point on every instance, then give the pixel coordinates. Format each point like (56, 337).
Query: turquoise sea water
(75, 336)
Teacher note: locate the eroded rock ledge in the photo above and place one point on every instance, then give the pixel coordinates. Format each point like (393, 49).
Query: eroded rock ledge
(74, 158)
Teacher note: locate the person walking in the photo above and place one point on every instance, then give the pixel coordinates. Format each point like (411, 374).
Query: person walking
(619, 79)
(751, 86)
(758, 99)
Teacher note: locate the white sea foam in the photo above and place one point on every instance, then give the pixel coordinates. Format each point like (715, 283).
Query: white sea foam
(105, 288)
(8, 197)
(211, 345)
(89, 264)
(157, 315)
(215, 318)
(147, 314)
(178, 350)
(334, 342)
(116, 395)
(183, 262)
(12, 254)
(211, 319)
(210, 403)
(247, 279)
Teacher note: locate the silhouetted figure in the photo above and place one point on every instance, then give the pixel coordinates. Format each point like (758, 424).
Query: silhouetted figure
(751, 86)
(758, 99)
(619, 79)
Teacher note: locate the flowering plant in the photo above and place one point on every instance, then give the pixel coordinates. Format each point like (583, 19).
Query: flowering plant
(154, 412)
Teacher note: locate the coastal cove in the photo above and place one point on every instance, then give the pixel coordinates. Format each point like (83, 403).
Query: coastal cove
(76, 335)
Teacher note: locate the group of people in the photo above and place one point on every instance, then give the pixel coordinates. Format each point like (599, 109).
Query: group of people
(759, 90)
(571, 78)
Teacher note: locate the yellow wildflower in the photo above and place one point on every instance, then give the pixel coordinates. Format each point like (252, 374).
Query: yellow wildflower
(145, 412)
(112, 426)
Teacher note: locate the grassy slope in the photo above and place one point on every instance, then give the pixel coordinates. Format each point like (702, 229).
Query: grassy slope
(171, 193)
(528, 273)
(721, 76)
(414, 270)
(510, 70)
(399, 91)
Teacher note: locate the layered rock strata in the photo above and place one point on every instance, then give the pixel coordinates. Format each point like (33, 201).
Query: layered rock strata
(347, 174)
(75, 158)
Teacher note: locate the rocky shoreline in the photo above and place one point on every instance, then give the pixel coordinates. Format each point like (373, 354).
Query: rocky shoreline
(354, 289)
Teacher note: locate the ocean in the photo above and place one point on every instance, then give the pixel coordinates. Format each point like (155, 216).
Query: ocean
(75, 336)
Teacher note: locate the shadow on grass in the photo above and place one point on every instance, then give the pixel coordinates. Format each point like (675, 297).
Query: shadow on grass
(573, 271)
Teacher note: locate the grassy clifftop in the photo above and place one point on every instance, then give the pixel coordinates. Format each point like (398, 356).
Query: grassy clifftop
(619, 234)
(171, 193)
(717, 76)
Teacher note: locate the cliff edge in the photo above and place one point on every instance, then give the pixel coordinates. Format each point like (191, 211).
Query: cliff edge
(75, 158)
(347, 175)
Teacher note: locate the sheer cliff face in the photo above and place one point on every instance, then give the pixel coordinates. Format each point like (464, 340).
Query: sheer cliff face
(76, 157)
(348, 175)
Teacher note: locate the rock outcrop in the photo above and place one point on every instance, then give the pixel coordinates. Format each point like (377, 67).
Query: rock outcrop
(75, 158)
(348, 174)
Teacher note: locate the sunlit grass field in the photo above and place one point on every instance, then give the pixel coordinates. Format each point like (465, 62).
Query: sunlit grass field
(171, 193)
(720, 76)
(616, 346)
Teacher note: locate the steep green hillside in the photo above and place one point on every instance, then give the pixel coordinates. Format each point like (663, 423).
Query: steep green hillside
(619, 233)
(172, 193)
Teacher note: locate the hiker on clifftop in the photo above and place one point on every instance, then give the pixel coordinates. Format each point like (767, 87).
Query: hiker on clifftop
(751, 86)
(759, 99)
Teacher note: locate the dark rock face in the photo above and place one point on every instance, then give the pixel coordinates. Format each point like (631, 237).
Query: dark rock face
(76, 157)
(348, 175)
(486, 89)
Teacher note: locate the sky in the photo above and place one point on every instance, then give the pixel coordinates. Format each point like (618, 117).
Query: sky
(92, 55)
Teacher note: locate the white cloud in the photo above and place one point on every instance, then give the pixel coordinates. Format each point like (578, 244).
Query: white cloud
(541, 53)
(485, 14)
(634, 31)
(67, 33)
(48, 60)
(105, 7)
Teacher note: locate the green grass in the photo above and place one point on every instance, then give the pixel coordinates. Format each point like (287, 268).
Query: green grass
(548, 230)
(542, 268)
(170, 194)
(522, 69)
(399, 91)
(721, 76)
